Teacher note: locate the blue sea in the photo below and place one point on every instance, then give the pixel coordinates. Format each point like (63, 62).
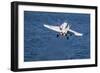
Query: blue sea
(41, 44)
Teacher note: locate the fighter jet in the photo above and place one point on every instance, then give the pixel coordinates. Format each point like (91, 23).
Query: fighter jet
(63, 30)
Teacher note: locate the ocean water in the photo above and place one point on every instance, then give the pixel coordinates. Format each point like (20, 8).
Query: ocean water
(41, 44)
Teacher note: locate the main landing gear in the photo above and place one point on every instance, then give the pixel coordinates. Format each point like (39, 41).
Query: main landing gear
(63, 35)
(57, 35)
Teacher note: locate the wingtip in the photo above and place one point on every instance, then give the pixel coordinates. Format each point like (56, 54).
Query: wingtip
(81, 34)
(44, 25)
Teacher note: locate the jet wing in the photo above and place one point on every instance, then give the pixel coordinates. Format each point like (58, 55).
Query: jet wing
(54, 28)
(76, 33)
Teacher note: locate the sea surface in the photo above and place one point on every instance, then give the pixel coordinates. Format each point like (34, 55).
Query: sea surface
(42, 44)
